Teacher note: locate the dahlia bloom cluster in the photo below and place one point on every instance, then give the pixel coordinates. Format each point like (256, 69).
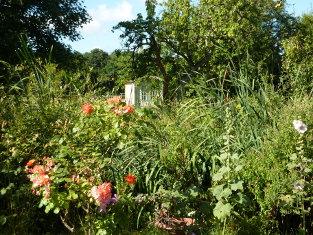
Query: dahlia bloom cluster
(118, 106)
(39, 176)
(127, 109)
(103, 195)
(116, 100)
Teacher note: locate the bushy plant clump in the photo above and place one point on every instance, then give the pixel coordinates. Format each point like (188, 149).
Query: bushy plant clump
(87, 164)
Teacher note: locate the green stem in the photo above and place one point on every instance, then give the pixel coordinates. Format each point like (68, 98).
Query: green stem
(224, 226)
(303, 217)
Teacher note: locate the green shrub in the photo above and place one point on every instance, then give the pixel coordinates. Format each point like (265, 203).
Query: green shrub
(268, 170)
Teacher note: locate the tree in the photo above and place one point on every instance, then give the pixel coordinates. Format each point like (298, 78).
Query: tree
(96, 58)
(210, 36)
(298, 55)
(141, 36)
(119, 68)
(45, 24)
(95, 61)
(214, 33)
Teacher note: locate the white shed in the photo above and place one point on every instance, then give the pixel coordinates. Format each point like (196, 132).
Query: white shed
(142, 94)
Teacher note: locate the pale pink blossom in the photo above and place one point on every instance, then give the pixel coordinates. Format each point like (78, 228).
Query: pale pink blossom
(103, 195)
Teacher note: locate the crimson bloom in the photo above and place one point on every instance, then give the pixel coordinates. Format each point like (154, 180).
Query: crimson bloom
(87, 108)
(130, 179)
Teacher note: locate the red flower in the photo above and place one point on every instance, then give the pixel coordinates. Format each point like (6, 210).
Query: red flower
(87, 109)
(30, 162)
(130, 179)
(128, 109)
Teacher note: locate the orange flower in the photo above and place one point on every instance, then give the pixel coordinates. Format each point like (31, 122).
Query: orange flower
(130, 179)
(30, 162)
(87, 109)
(40, 180)
(128, 109)
(114, 100)
(38, 169)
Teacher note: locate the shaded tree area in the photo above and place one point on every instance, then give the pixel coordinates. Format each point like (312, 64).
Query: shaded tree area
(44, 24)
(108, 72)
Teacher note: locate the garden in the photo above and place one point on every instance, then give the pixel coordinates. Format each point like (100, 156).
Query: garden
(227, 151)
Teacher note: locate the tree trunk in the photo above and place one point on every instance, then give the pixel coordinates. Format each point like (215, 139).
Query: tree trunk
(161, 66)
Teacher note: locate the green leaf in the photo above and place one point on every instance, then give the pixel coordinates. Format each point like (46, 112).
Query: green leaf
(56, 210)
(235, 156)
(220, 173)
(224, 169)
(3, 220)
(221, 210)
(289, 199)
(72, 195)
(238, 168)
(120, 145)
(76, 129)
(61, 140)
(3, 191)
(43, 202)
(49, 207)
(194, 193)
(237, 186)
(293, 157)
(217, 177)
(223, 156)
(217, 190)
(307, 170)
(225, 193)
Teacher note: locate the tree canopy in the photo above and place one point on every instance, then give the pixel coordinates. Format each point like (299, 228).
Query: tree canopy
(45, 24)
(208, 36)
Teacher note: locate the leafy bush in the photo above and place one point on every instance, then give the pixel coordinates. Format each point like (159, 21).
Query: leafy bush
(267, 168)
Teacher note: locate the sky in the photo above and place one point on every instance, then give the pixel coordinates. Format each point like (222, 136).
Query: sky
(107, 13)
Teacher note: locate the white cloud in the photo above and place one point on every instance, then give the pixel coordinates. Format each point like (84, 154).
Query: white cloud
(102, 16)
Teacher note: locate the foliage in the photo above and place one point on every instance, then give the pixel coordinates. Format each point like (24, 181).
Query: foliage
(297, 61)
(164, 164)
(224, 185)
(267, 167)
(208, 37)
(119, 69)
(44, 24)
(141, 35)
(215, 162)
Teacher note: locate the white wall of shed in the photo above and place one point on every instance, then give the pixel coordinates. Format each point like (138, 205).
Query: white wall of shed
(130, 94)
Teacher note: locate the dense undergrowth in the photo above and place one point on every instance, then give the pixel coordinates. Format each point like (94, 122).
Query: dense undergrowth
(212, 163)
